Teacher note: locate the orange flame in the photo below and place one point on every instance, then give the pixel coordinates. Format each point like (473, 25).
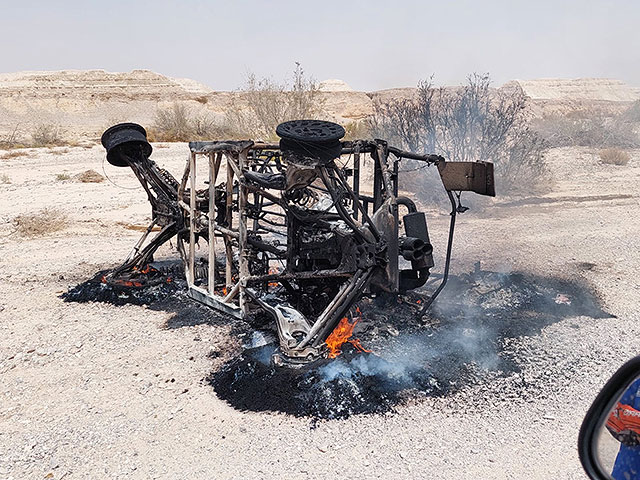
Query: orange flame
(128, 283)
(356, 343)
(146, 269)
(139, 272)
(342, 334)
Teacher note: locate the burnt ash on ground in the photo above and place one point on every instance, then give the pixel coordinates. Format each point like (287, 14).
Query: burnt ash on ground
(162, 296)
(95, 290)
(327, 389)
(459, 343)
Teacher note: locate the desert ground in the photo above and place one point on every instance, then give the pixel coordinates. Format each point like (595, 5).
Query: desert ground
(94, 390)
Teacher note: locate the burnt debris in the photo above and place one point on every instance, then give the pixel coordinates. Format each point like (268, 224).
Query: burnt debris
(464, 342)
(136, 292)
(327, 389)
(299, 240)
(296, 247)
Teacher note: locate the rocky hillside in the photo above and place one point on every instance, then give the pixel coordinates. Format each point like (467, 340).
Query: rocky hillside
(598, 89)
(601, 96)
(92, 84)
(84, 103)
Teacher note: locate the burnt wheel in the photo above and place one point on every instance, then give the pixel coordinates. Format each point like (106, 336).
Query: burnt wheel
(311, 131)
(125, 139)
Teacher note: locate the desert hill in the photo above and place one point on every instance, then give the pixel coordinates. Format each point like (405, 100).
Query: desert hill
(84, 103)
(598, 89)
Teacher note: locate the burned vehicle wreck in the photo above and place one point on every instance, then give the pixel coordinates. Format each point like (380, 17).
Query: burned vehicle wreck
(290, 233)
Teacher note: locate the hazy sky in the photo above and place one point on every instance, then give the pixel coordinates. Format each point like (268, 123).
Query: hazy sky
(369, 44)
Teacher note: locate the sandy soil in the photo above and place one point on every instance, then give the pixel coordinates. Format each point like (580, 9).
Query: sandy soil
(98, 391)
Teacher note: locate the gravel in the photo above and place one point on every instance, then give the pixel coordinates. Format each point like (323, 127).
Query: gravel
(96, 390)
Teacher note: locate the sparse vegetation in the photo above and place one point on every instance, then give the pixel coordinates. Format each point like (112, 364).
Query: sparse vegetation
(46, 135)
(632, 114)
(10, 140)
(49, 135)
(588, 131)
(40, 223)
(264, 103)
(357, 130)
(179, 124)
(254, 113)
(4, 178)
(592, 127)
(13, 154)
(470, 123)
(58, 151)
(614, 156)
(89, 176)
(62, 177)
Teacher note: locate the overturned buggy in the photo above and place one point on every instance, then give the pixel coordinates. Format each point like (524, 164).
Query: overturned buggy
(290, 232)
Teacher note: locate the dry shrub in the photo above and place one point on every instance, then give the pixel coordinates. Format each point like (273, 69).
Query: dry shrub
(4, 178)
(62, 177)
(151, 134)
(203, 99)
(58, 151)
(40, 223)
(595, 131)
(4, 145)
(471, 123)
(592, 127)
(179, 124)
(46, 135)
(263, 104)
(13, 154)
(89, 176)
(357, 130)
(10, 141)
(632, 114)
(614, 156)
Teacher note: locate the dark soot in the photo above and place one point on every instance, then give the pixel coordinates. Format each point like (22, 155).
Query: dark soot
(94, 290)
(460, 344)
(350, 384)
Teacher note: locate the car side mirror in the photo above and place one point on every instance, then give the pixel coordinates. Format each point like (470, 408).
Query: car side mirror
(609, 439)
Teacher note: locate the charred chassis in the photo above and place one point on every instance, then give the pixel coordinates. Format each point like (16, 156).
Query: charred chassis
(290, 233)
